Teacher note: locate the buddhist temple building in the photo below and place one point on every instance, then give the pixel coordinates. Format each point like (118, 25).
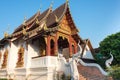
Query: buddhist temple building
(31, 51)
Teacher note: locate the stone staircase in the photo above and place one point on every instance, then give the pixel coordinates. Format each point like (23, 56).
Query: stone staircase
(81, 77)
(91, 73)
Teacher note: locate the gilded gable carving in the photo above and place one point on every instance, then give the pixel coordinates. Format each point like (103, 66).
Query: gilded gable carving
(65, 25)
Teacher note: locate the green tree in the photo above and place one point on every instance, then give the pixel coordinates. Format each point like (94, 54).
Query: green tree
(111, 44)
(114, 72)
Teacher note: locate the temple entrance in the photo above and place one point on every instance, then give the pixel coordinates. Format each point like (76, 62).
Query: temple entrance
(42, 46)
(73, 49)
(52, 47)
(63, 47)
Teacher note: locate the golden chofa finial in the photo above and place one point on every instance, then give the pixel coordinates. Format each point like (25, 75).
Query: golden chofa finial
(37, 21)
(24, 22)
(56, 18)
(24, 31)
(40, 7)
(6, 35)
(6, 32)
(67, 1)
(51, 5)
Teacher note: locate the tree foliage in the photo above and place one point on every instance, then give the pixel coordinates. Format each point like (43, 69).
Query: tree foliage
(111, 44)
(114, 72)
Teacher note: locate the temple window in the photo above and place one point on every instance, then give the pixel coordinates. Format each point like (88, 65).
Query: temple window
(20, 61)
(5, 57)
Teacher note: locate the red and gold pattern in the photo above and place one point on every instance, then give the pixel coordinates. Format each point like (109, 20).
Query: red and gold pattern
(5, 59)
(20, 61)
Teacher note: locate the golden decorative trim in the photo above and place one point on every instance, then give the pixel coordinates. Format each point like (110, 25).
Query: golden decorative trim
(6, 34)
(4, 64)
(24, 31)
(37, 21)
(45, 27)
(20, 61)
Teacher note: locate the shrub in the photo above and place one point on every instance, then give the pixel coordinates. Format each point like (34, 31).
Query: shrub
(114, 71)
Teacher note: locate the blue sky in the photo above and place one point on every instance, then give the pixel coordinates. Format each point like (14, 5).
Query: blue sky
(94, 18)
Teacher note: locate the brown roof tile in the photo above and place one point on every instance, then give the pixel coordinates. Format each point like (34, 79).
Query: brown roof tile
(51, 20)
(60, 11)
(31, 18)
(44, 14)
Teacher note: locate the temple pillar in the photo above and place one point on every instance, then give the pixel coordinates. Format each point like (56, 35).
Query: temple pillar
(48, 46)
(70, 46)
(56, 45)
(75, 48)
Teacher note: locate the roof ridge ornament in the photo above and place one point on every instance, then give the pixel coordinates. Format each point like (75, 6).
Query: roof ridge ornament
(37, 21)
(24, 22)
(40, 8)
(6, 33)
(24, 31)
(67, 1)
(56, 18)
(51, 5)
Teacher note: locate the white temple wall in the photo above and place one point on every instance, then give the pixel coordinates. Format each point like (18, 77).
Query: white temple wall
(3, 72)
(34, 48)
(33, 51)
(12, 57)
(87, 53)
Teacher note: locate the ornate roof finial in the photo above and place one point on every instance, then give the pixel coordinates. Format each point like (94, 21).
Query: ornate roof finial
(37, 21)
(67, 1)
(6, 32)
(40, 7)
(56, 18)
(24, 31)
(51, 4)
(24, 23)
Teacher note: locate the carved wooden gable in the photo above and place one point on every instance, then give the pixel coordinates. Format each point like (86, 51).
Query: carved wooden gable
(64, 25)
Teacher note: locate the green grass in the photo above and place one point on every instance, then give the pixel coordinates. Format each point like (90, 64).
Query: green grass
(3, 79)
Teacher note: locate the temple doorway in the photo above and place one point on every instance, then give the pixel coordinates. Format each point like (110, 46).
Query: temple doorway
(52, 47)
(42, 46)
(63, 47)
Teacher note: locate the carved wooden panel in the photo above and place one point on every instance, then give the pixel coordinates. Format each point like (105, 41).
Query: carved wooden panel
(65, 25)
(20, 61)
(5, 58)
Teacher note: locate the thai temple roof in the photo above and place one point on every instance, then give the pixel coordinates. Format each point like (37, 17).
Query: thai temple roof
(50, 19)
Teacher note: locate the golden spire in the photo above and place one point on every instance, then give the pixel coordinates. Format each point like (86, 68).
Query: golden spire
(67, 1)
(6, 32)
(40, 6)
(24, 22)
(51, 4)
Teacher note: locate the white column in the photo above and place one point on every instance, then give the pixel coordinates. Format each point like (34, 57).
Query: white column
(12, 58)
